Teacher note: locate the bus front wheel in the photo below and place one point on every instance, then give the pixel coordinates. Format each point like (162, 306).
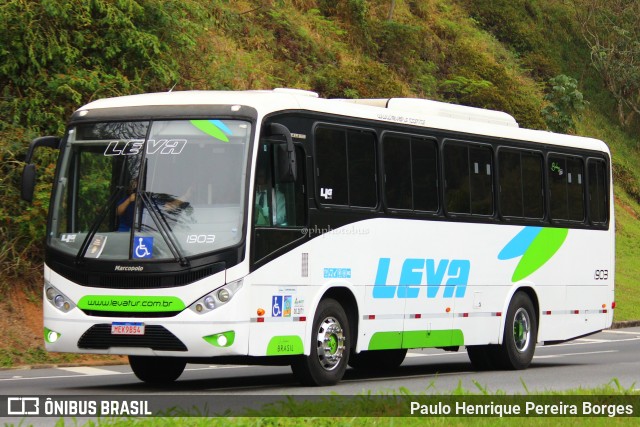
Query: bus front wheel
(520, 334)
(330, 346)
(157, 370)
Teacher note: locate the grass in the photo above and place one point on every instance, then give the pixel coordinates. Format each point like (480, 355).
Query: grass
(627, 259)
(393, 409)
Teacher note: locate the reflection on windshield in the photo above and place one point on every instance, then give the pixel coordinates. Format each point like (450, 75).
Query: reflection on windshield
(159, 190)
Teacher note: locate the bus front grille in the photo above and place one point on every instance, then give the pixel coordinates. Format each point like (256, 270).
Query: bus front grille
(155, 337)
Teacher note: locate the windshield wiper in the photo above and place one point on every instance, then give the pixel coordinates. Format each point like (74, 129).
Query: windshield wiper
(163, 228)
(96, 224)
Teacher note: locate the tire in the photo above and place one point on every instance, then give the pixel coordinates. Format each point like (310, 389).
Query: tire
(157, 370)
(520, 334)
(377, 360)
(482, 357)
(330, 346)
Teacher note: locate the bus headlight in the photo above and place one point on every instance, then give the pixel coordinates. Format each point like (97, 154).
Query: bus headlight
(209, 302)
(217, 298)
(57, 298)
(223, 295)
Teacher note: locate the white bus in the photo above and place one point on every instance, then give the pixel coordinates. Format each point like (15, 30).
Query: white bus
(277, 227)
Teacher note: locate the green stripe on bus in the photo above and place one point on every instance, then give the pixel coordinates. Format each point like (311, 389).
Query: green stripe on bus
(284, 345)
(416, 339)
(132, 303)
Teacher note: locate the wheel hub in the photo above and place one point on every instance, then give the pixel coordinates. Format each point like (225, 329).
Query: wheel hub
(330, 341)
(521, 330)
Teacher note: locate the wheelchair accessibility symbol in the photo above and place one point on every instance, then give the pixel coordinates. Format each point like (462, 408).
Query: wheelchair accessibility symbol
(143, 247)
(276, 306)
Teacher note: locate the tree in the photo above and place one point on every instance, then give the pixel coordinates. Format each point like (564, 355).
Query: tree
(612, 31)
(565, 101)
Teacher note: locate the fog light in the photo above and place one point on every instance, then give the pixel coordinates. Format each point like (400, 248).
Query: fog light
(222, 340)
(50, 336)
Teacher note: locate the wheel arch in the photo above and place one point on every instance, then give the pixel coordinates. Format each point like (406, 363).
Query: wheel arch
(345, 297)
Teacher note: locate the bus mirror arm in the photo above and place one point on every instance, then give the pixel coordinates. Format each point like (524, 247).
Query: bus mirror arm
(29, 171)
(286, 160)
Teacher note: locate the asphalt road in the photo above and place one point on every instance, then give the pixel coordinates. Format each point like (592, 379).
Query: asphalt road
(587, 362)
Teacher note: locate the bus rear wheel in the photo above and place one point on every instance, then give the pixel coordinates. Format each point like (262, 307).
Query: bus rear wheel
(377, 360)
(520, 334)
(330, 346)
(157, 370)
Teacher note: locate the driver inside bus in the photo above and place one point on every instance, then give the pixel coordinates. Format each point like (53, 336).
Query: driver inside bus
(265, 202)
(126, 207)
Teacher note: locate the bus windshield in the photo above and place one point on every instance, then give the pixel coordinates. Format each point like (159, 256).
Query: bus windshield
(150, 190)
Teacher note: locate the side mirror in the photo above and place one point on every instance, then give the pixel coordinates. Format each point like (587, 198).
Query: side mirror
(29, 171)
(28, 182)
(285, 154)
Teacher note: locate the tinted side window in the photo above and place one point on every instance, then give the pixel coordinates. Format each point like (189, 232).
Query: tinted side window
(557, 170)
(469, 183)
(532, 185)
(397, 171)
(346, 167)
(331, 155)
(566, 185)
(520, 184)
(510, 179)
(456, 170)
(598, 203)
(481, 182)
(424, 167)
(411, 173)
(575, 189)
(362, 169)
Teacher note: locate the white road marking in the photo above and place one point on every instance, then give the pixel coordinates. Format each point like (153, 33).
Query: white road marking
(615, 331)
(550, 356)
(50, 377)
(88, 370)
(576, 342)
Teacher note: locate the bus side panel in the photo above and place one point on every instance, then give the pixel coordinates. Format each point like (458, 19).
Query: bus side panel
(279, 307)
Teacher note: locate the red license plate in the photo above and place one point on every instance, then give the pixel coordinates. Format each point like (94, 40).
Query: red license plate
(127, 328)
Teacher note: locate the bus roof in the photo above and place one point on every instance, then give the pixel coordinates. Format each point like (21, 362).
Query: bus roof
(408, 111)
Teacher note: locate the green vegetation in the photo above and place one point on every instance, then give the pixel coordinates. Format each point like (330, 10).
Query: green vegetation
(392, 408)
(56, 55)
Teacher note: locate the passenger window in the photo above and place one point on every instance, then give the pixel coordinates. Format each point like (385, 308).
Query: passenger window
(397, 171)
(346, 167)
(469, 183)
(520, 184)
(598, 200)
(566, 184)
(410, 173)
(456, 169)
